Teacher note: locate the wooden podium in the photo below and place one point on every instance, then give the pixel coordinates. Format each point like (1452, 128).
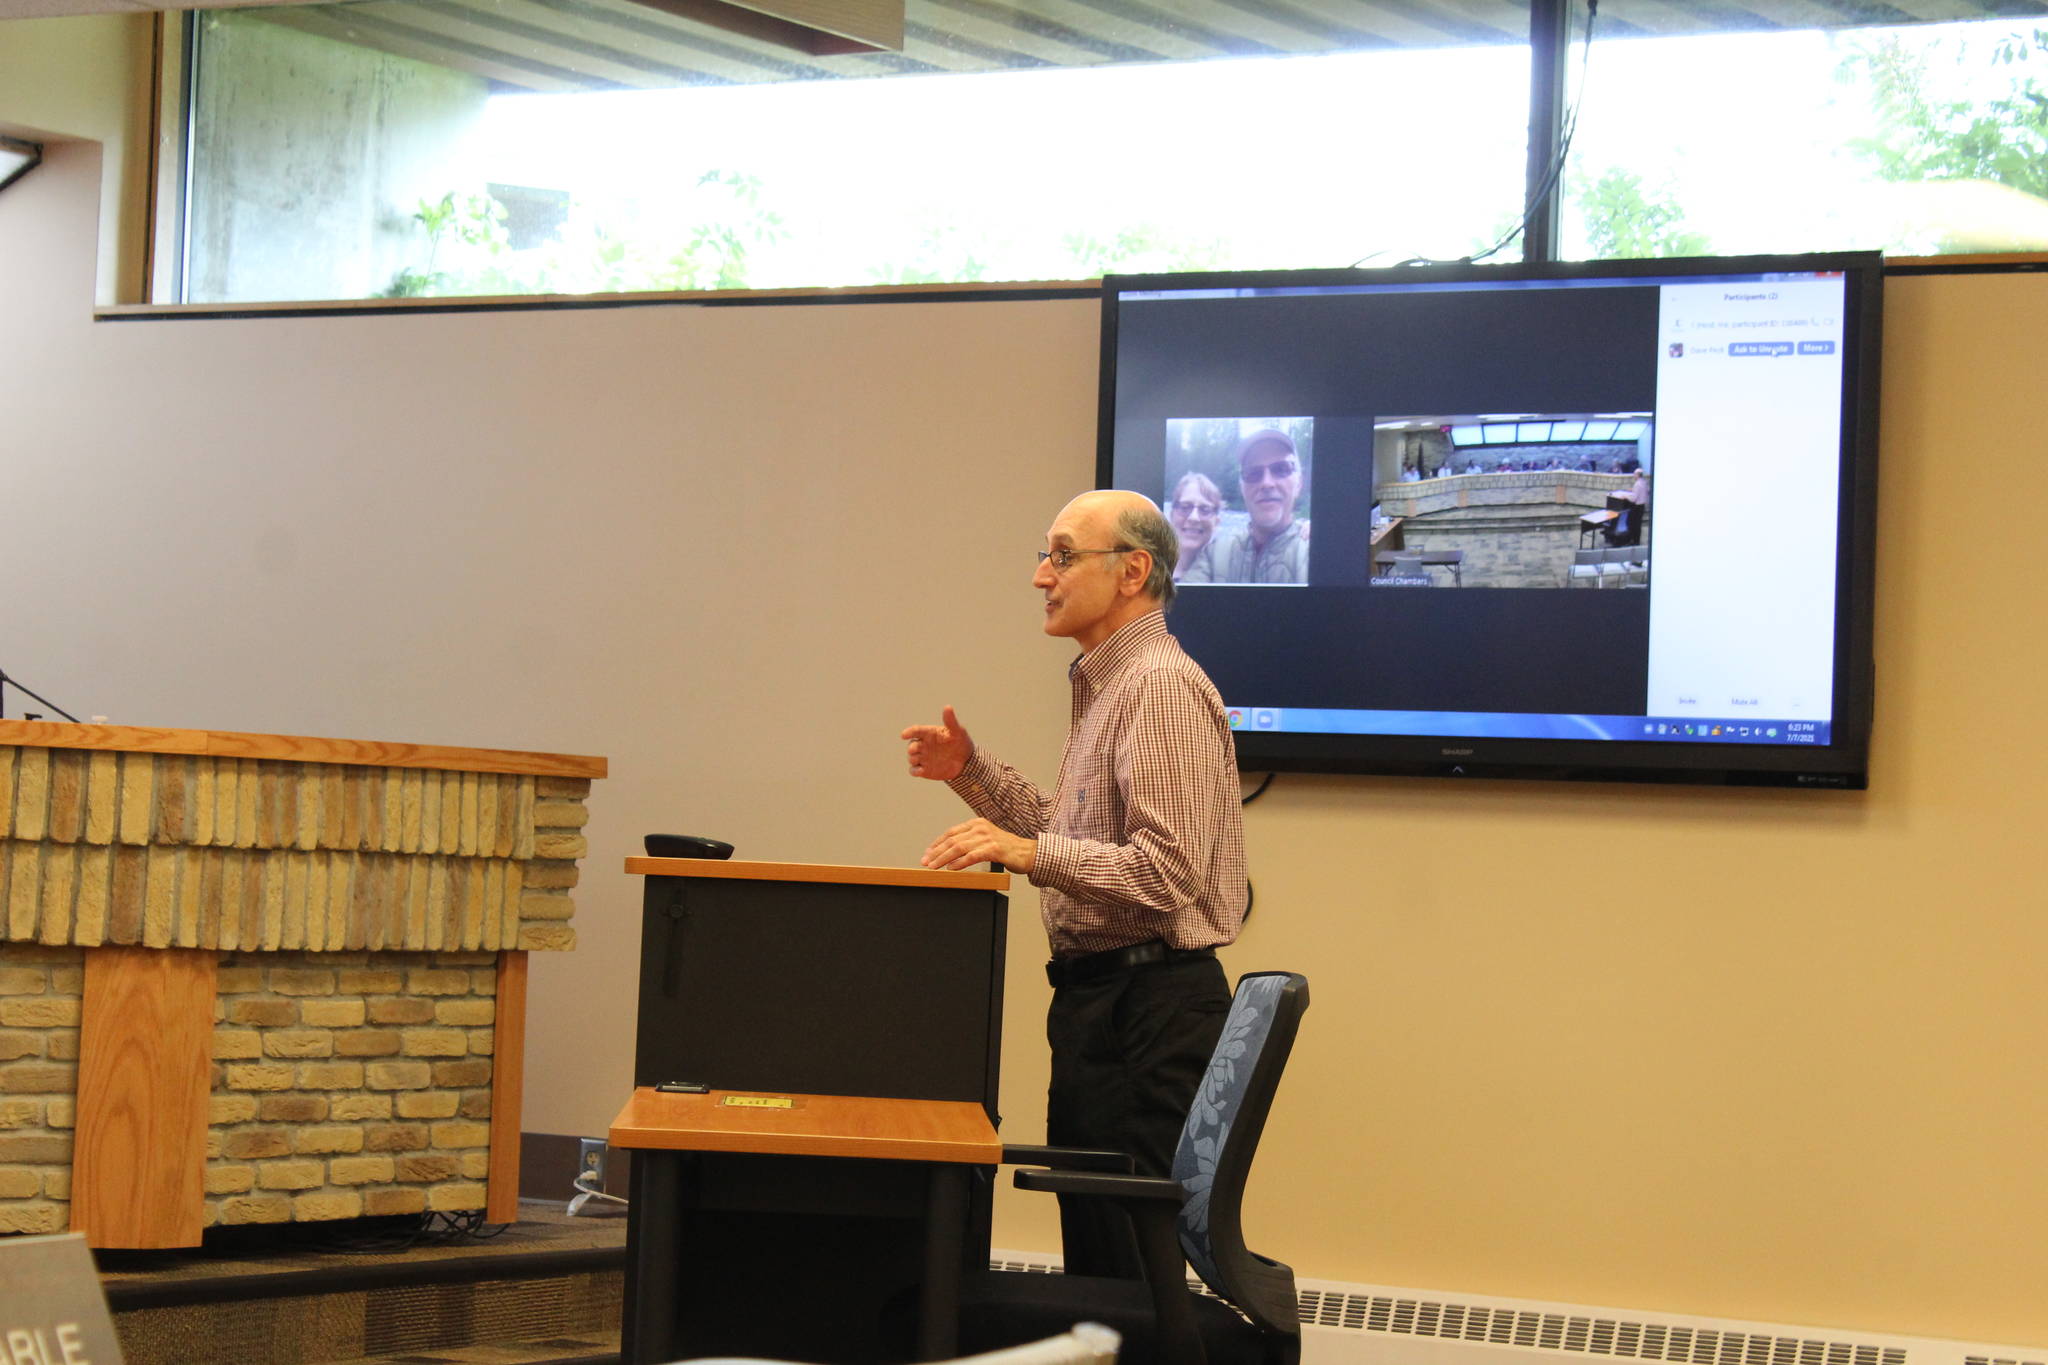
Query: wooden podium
(847, 1024)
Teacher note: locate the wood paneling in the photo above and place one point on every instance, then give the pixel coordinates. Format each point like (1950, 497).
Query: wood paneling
(508, 1081)
(817, 872)
(139, 1161)
(810, 1125)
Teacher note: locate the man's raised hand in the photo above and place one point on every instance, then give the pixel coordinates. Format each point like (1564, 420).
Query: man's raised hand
(938, 751)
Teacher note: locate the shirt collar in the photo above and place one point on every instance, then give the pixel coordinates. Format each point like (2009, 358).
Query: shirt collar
(1101, 663)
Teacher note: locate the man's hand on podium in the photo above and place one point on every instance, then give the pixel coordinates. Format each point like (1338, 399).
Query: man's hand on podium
(978, 841)
(939, 751)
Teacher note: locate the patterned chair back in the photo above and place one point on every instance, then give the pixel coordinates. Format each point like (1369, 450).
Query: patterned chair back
(1215, 1153)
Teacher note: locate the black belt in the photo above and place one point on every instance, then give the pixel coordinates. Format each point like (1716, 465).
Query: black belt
(1072, 971)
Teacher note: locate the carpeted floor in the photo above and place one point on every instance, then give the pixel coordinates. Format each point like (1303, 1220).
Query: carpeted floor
(543, 1226)
(547, 1288)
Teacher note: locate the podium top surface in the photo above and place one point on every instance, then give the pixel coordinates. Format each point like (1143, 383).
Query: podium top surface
(374, 753)
(808, 1125)
(818, 872)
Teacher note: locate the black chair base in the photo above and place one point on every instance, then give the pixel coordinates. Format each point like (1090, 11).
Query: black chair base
(1002, 1308)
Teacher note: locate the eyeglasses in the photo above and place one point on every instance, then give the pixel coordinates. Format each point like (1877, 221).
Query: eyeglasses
(1194, 509)
(1063, 558)
(1276, 471)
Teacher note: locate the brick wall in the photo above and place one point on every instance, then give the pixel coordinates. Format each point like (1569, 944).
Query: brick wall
(1505, 547)
(349, 1085)
(344, 1085)
(1517, 530)
(544, 903)
(40, 990)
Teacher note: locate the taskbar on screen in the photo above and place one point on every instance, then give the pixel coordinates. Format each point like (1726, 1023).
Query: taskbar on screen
(1520, 725)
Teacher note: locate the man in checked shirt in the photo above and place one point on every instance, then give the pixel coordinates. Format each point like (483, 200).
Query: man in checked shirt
(1137, 851)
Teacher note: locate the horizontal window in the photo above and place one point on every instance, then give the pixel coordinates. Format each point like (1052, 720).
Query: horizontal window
(395, 148)
(1918, 139)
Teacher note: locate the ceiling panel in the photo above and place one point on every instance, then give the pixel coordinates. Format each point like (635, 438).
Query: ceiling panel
(551, 45)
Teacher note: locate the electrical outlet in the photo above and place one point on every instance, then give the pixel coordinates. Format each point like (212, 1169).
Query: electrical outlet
(590, 1162)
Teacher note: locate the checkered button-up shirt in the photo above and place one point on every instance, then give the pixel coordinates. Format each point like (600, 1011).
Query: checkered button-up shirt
(1143, 837)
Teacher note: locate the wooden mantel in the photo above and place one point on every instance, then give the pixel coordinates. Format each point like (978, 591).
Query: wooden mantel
(294, 748)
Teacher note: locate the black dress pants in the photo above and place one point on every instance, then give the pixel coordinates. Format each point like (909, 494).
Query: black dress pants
(1128, 1051)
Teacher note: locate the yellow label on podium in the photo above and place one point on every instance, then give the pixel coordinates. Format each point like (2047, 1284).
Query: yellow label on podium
(758, 1102)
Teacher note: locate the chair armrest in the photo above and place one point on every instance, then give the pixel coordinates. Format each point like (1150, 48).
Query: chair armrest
(1103, 1185)
(1067, 1159)
(1154, 1204)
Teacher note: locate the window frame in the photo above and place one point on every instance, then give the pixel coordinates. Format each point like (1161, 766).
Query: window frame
(168, 238)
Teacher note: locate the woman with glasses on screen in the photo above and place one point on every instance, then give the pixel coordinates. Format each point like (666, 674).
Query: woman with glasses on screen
(1193, 507)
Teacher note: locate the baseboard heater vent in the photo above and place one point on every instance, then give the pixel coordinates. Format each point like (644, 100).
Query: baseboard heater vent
(1579, 1334)
(1345, 1323)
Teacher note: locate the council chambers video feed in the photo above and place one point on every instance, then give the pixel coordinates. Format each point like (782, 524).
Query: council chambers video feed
(1512, 500)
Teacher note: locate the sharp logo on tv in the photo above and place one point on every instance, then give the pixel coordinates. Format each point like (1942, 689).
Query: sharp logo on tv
(1583, 512)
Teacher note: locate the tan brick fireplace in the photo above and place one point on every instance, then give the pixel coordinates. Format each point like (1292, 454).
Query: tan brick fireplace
(265, 978)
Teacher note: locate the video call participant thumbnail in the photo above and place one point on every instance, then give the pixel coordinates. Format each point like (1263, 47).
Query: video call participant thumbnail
(1272, 545)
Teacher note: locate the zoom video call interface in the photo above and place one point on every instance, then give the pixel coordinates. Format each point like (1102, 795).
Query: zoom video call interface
(1521, 508)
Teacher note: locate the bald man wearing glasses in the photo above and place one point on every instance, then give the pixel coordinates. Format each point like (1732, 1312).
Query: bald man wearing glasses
(1138, 853)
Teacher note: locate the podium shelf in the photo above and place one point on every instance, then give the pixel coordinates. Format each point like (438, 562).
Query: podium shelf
(807, 1125)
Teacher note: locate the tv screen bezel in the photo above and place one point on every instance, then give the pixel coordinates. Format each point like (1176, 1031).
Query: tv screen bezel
(1842, 764)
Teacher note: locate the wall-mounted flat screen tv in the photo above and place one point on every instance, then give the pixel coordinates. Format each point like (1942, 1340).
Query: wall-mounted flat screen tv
(1604, 520)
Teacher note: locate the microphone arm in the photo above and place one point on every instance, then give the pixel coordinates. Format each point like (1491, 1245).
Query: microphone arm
(4, 680)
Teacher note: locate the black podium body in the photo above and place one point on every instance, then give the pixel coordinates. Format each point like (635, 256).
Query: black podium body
(792, 980)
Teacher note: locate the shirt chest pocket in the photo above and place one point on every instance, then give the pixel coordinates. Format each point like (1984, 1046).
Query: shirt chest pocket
(1089, 805)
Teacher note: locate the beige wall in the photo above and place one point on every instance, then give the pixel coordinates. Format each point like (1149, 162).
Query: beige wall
(86, 79)
(1763, 1055)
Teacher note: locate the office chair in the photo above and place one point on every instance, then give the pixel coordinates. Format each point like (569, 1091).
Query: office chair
(1090, 1343)
(1188, 1219)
